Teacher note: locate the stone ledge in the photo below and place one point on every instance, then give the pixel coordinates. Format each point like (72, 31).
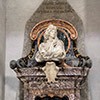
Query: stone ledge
(38, 72)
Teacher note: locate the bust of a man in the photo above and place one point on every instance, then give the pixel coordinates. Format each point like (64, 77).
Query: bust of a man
(52, 48)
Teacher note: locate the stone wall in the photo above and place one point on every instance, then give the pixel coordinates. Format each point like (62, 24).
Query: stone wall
(92, 41)
(2, 47)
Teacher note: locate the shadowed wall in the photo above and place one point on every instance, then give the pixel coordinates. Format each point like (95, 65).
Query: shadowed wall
(2, 47)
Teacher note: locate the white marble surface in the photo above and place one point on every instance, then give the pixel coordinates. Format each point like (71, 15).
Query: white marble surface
(51, 71)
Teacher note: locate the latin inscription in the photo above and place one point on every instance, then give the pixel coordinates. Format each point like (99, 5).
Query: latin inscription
(53, 7)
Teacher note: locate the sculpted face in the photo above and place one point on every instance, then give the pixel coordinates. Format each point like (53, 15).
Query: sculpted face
(51, 32)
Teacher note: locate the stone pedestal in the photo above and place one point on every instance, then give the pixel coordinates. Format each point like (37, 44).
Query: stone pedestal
(68, 83)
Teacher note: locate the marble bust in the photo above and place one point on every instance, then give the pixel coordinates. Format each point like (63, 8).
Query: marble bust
(52, 48)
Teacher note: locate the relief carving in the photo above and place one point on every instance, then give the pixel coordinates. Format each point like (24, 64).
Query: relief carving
(51, 71)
